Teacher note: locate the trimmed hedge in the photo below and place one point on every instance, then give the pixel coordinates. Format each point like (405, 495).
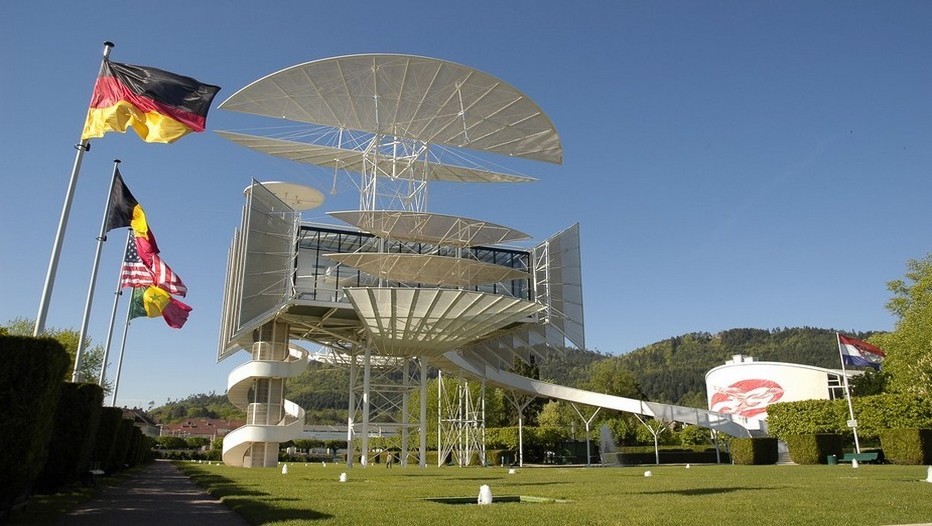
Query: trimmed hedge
(72, 441)
(30, 382)
(124, 434)
(637, 455)
(813, 448)
(875, 414)
(754, 451)
(105, 441)
(907, 446)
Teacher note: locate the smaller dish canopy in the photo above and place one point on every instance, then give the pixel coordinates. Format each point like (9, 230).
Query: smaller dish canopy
(297, 196)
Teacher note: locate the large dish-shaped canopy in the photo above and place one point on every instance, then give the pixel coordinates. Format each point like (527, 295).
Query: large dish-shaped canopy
(425, 227)
(434, 321)
(418, 98)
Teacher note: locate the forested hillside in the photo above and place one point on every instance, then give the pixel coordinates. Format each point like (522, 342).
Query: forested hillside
(671, 371)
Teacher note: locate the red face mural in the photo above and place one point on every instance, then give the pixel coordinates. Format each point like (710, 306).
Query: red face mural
(746, 398)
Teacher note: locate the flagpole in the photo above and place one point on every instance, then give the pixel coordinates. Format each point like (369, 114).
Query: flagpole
(82, 147)
(79, 357)
(852, 423)
(116, 381)
(116, 301)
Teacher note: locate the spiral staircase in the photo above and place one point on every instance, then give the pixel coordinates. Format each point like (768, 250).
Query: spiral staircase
(257, 387)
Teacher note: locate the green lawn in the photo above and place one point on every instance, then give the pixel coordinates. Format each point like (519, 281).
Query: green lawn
(714, 495)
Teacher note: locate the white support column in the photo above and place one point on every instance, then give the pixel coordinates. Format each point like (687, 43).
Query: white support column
(351, 416)
(521, 437)
(366, 390)
(588, 422)
(405, 420)
(440, 447)
(481, 424)
(463, 409)
(422, 449)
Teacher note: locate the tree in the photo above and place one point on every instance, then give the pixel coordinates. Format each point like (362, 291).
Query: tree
(557, 414)
(612, 377)
(909, 346)
(170, 442)
(91, 362)
(869, 383)
(532, 405)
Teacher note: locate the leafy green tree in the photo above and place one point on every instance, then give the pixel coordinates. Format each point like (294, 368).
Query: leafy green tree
(612, 377)
(197, 442)
(169, 442)
(694, 436)
(909, 346)
(557, 414)
(869, 383)
(91, 362)
(532, 404)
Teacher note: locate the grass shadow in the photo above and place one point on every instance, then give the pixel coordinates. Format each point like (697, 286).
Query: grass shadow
(262, 512)
(257, 507)
(699, 491)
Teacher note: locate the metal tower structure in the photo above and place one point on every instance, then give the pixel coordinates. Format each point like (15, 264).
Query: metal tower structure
(400, 288)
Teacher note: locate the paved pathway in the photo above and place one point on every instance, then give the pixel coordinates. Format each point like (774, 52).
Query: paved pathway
(159, 495)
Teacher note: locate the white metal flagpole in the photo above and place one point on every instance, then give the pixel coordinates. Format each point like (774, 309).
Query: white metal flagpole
(79, 357)
(116, 302)
(852, 423)
(82, 147)
(119, 369)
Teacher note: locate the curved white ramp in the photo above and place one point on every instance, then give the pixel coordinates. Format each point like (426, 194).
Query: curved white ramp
(266, 423)
(731, 424)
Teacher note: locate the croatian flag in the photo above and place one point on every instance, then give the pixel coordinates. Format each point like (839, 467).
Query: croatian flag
(859, 353)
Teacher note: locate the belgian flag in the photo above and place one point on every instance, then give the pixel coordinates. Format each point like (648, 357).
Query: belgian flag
(160, 106)
(124, 209)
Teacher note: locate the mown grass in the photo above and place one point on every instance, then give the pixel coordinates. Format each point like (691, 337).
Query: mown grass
(704, 494)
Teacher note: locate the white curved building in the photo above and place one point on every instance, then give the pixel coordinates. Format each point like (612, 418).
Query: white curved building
(745, 387)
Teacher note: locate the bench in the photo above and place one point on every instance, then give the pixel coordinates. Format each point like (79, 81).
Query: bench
(860, 457)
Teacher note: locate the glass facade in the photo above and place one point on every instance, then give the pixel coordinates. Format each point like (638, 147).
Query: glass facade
(320, 278)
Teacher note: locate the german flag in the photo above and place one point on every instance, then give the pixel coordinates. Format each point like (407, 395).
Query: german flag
(160, 106)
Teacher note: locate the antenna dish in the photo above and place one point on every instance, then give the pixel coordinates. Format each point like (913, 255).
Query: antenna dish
(296, 196)
(410, 97)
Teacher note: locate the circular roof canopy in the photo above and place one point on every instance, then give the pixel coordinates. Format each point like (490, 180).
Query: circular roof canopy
(419, 98)
(438, 320)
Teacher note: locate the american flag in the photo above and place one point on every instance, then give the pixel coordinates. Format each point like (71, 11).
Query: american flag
(134, 272)
(165, 278)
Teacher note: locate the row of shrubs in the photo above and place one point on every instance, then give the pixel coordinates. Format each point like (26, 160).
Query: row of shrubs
(898, 446)
(54, 432)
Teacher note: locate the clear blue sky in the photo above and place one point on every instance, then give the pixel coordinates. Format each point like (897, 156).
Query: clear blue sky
(732, 163)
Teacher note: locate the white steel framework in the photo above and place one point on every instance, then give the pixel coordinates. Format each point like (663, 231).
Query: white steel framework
(392, 119)
(460, 421)
(405, 287)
